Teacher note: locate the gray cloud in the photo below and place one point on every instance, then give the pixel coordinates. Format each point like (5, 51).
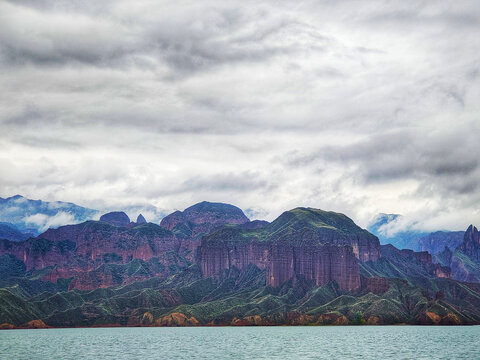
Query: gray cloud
(353, 108)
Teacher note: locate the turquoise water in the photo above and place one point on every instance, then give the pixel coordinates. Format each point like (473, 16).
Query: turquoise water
(347, 342)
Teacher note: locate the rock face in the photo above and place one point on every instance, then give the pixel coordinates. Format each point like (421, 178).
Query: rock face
(114, 251)
(412, 263)
(436, 242)
(116, 218)
(141, 219)
(471, 243)
(82, 250)
(304, 243)
(199, 220)
(465, 260)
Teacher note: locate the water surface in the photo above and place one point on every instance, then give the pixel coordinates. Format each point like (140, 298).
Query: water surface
(329, 342)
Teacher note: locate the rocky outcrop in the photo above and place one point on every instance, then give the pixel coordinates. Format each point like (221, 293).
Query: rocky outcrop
(81, 251)
(176, 319)
(465, 260)
(141, 219)
(320, 264)
(471, 243)
(200, 220)
(411, 262)
(308, 244)
(116, 218)
(203, 217)
(317, 264)
(39, 253)
(96, 253)
(35, 324)
(436, 242)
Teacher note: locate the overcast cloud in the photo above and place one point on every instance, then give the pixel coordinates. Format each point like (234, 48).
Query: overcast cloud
(341, 105)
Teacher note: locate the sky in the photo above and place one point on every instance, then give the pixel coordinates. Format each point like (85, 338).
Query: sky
(360, 108)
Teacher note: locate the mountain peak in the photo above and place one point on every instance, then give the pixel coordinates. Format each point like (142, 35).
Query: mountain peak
(302, 217)
(141, 219)
(203, 217)
(12, 198)
(471, 242)
(116, 218)
(215, 213)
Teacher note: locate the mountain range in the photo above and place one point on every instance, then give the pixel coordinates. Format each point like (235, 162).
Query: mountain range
(211, 265)
(32, 217)
(433, 242)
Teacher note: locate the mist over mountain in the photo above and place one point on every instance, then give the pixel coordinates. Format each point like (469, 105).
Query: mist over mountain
(211, 265)
(391, 230)
(36, 216)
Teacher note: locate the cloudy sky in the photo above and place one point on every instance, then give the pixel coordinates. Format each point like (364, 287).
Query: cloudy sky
(341, 105)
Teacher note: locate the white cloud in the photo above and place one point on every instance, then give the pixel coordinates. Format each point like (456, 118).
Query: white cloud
(44, 222)
(337, 105)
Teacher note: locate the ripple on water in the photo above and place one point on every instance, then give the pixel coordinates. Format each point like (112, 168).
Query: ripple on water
(340, 342)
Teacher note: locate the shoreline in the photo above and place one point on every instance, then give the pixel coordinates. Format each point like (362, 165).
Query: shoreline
(229, 326)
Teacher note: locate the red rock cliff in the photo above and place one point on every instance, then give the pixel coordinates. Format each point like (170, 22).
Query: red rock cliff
(303, 243)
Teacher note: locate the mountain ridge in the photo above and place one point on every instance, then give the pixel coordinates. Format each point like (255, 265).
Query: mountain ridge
(210, 265)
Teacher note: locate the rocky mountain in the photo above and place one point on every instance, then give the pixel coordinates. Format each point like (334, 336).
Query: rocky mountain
(436, 242)
(36, 216)
(86, 252)
(116, 218)
(471, 243)
(10, 232)
(210, 265)
(433, 242)
(141, 219)
(308, 244)
(465, 259)
(199, 220)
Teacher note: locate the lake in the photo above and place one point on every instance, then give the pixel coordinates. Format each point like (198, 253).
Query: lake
(328, 342)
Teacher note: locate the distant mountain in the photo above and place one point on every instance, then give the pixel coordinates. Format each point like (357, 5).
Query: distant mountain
(202, 217)
(141, 219)
(10, 232)
(116, 218)
(384, 225)
(436, 242)
(210, 265)
(465, 259)
(36, 216)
